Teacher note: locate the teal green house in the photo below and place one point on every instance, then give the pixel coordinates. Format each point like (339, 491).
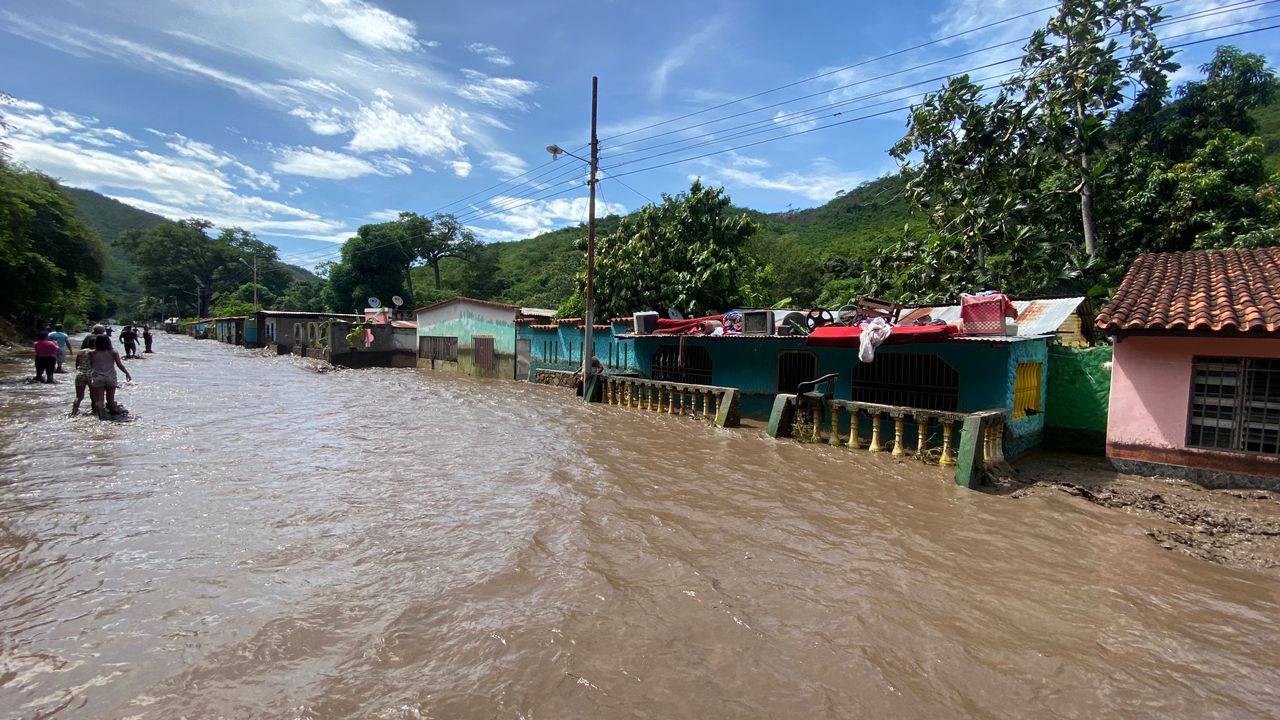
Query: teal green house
(957, 373)
(473, 337)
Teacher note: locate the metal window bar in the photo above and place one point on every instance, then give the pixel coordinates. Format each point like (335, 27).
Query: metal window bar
(438, 347)
(1214, 403)
(917, 380)
(694, 370)
(795, 367)
(482, 352)
(1260, 416)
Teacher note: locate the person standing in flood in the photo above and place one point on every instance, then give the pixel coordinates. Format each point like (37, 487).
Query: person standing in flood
(102, 379)
(64, 345)
(46, 358)
(129, 337)
(91, 338)
(147, 337)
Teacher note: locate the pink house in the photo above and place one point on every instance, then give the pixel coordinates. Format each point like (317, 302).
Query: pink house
(1195, 385)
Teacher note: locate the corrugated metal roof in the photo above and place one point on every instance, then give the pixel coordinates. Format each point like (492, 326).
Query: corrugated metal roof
(1035, 317)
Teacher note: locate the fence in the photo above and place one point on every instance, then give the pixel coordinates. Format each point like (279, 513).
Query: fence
(721, 405)
(973, 443)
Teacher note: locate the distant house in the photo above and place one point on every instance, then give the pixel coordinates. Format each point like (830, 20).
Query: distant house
(1195, 388)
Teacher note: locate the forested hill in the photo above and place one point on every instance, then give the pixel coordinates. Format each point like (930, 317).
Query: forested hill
(109, 218)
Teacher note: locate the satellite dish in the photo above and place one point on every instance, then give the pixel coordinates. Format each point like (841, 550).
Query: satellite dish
(374, 302)
(674, 314)
(397, 300)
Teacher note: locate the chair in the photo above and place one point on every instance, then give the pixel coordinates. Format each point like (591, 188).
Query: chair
(871, 308)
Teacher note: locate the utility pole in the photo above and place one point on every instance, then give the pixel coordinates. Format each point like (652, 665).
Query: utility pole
(588, 346)
(589, 295)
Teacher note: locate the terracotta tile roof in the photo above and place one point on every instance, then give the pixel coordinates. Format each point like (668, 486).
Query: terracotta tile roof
(1231, 290)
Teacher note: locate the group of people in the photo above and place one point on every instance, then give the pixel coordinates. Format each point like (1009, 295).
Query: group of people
(96, 365)
(129, 337)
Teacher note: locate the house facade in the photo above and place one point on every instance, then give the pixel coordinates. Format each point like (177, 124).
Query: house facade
(469, 337)
(1195, 389)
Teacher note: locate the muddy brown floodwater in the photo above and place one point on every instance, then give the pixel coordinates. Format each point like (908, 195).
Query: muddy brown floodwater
(266, 541)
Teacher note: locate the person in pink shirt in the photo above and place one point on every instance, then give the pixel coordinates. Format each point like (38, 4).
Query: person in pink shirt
(46, 358)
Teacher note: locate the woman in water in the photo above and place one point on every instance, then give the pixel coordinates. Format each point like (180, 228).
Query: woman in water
(102, 379)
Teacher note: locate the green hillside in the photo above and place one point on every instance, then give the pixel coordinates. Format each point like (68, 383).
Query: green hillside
(109, 218)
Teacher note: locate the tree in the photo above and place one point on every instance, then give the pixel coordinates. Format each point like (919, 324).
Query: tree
(372, 265)
(50, 262)
(1073, 82)
(178, 259)
(684, 254)
(436, 239)
(989, 168)
(305, 296)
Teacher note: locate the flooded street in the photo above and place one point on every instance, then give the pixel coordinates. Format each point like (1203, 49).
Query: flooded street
(267, 541)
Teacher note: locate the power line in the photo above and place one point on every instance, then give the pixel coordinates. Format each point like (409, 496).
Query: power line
(537, 195)
(908, 107)
(1198, 15)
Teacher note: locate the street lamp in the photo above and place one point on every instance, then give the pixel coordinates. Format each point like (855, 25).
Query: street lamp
(588, 305)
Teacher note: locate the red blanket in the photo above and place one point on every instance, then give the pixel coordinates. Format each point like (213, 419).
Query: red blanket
(679, 327)
(842, 336)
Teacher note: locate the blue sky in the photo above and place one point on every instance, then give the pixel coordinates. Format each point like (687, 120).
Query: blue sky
(303, 119)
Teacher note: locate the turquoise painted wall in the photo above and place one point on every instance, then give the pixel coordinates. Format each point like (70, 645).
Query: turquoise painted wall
(1029, 431)
(751, 365)
(560, 348)
(466, 323)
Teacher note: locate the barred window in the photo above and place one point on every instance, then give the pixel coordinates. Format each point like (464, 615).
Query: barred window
(795, 367)
(438, 347)
(690, 365)
(916, 380)
(1235, 404)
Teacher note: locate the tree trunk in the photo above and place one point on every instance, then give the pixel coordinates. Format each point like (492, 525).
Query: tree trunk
(408, 281)
(1086, 187)
(435, 265)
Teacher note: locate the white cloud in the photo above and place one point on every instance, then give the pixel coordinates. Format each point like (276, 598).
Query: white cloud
(505, 163)
(496, 92)
(318, 163)
(819, 184)
(384, 215)
(322, 122)
(461, 168)
(370, 26)
(189, 178)
(793, 122)
(21, 104)
(680, 55)
(379, 127)
(491, 53)
(526, 219)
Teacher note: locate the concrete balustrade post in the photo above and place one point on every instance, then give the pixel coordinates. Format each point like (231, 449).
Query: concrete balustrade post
(948, 455)
(875, 434)
(922, 435)
(899, 421)
(835, 424)
(855, 442)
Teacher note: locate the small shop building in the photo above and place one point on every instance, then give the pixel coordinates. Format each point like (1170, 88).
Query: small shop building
(1195, 388)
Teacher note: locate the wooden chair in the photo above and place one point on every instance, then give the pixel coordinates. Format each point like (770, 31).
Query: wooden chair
(870, 308)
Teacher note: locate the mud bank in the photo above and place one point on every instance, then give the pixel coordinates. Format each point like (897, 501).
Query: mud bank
(1237, 528)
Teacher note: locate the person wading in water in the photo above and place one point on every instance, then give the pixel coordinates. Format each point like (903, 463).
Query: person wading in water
(103, 362)
(129, 336)
(147, 337)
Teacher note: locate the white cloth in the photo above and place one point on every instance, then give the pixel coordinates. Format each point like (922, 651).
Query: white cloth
(873, 333)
